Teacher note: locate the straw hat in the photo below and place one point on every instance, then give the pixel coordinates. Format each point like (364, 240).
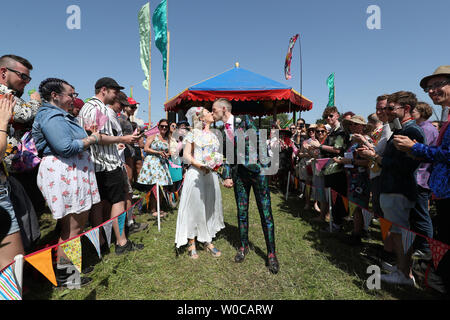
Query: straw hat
(440, 71)
(356, 119)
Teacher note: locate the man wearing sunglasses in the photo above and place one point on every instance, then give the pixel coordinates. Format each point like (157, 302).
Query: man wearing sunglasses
(14, 77)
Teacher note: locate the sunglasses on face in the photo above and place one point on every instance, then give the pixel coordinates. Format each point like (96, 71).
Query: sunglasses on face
(301, 125)
(22, 75)
(163, 126)
(390, 108)
(330, 116)
(72, 95)
(436, 85)
(320, 131)
(293, 128)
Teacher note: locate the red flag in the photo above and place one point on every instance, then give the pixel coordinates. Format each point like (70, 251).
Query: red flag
(438, 250)
(287, 63)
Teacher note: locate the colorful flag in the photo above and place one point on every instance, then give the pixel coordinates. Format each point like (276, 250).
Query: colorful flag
(407, 239)
(330, 84)
(8, 285)
(438, 250)
(160, 28)
(287, 62)
(320, 163)
(107, 227)
(72, 249)
(93, 235)
(367, 216)
(352, 206)
(42, 261)
(121, 221)
(145, 41)
(385, 227)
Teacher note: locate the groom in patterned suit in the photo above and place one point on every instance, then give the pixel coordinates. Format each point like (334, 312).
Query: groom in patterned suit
(244, 176)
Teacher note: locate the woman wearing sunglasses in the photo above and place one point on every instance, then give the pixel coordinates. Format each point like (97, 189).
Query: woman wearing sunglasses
(155, 168)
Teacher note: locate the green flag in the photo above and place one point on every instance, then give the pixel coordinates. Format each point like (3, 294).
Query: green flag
(160, 28)
(330, 84)
(288, 123)
(145, 33)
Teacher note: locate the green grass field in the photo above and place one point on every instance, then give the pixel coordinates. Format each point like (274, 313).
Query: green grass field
(313, 265)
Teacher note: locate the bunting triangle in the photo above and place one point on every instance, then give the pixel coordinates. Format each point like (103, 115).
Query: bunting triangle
(367, 216)
(147, 196)
(352, 207)
(333, 196)
(121, 221)
(345, 201)
(407, 239)
(72, 249)
(93, 235)
(385, 227)
(438, 250)
(108, 227)
(42, 261)
(8, 285)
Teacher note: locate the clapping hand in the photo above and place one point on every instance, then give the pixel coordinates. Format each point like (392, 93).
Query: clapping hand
(403, 143)
(7, 103)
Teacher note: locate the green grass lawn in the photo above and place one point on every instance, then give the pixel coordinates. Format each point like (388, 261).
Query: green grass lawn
(313, 265)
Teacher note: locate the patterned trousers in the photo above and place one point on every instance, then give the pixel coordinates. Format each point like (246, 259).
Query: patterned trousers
(243, 181)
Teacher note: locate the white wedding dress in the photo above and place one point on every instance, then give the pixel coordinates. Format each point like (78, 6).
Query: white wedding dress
(200, 212)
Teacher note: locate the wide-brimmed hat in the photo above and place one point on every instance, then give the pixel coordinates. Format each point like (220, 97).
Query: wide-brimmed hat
(440, 71)
(356, 119)
(312, 126)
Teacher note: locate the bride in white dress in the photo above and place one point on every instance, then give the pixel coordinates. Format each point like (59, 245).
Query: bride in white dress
(200, 213)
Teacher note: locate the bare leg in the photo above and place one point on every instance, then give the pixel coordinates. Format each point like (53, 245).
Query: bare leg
(10, 247)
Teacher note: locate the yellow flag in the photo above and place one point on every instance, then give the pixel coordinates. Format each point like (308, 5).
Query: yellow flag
(72, 249)
(352, 207)
(43, 263)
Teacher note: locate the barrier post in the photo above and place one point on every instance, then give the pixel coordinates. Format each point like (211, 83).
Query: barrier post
(330, 202)
(157, 206)
(287, 187)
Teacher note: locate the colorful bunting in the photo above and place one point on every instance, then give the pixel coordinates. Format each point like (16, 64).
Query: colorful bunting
(352, 207)
(407, 239)
(385, 227)
(8, 285)
(93, 235)
(108, 227)
(367, 216)
(345, 201)
(121, 221)
(438, 250)
(72, 249)
(287, 62)
(42, 261)
(320, 163)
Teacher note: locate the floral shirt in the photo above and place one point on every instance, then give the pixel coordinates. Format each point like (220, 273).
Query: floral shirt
(206, 144)
(24, 113)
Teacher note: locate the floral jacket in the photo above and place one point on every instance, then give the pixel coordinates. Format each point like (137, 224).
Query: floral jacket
(24, 113)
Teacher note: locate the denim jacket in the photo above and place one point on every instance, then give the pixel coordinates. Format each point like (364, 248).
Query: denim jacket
(56, 132)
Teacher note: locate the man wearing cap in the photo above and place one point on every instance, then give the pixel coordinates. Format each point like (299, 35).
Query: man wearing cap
(76, 107)
(107, 162)
(437, 86)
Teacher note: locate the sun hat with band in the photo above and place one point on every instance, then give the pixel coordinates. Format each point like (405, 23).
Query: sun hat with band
(440, 71)
(355, 119)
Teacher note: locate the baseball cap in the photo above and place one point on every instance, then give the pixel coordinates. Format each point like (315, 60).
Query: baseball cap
(78, 103)
(108, 83)
(131, 101)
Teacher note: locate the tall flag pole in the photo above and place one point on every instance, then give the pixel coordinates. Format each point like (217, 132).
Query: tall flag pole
(168, 55)
(145, 34)
(331, 88)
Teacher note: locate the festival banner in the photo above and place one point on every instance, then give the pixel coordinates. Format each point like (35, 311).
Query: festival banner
(108, 227)
(144, 42)
(287, 62)
(8, 285)
(160, 27)
(93, 235)
(42, 261)
(345, 201)
(385, 227)
(407, 239)
(330, 84)
(438, 250)
(72, 249)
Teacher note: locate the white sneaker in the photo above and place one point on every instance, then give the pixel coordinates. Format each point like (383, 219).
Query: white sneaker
(386, 266)
(398, 277)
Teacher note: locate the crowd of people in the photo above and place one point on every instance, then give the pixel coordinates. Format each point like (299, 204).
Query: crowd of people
(85, 160)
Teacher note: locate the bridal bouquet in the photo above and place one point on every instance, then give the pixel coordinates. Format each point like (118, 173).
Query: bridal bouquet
(214, 161)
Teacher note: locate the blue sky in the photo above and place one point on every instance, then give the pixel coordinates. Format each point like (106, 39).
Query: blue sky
(209, 36)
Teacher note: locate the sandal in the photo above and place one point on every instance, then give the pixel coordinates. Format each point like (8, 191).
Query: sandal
(192, 252)
(214, 251)
(154, 215)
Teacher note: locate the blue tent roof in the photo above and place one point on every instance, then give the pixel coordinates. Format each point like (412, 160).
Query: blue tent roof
(238, 79)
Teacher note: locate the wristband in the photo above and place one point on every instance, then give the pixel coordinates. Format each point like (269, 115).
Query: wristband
(4, 131)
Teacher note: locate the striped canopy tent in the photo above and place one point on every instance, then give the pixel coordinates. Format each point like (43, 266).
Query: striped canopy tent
(250, 93)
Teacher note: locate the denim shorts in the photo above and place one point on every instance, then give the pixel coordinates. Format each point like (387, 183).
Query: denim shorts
(396, 208)
(7, 215)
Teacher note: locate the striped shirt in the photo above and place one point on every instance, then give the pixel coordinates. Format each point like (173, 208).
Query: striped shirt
(105, 157)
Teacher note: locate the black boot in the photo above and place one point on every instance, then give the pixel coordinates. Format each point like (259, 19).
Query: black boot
(240, 255)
